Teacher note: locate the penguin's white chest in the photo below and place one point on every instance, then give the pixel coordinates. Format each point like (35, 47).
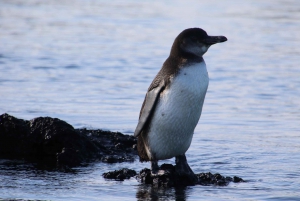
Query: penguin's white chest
(177, 113)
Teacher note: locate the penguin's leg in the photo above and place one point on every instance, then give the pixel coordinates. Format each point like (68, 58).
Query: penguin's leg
(154, 167)
(183, 169)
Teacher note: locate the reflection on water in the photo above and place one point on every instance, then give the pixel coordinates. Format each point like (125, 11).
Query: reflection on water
(91, 62)
(152, 193)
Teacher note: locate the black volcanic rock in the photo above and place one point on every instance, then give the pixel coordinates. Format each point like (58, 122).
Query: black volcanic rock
(113, 146)
(170, 178)
(52, 141)
(13, 136)
(54, 138)
(119, 175)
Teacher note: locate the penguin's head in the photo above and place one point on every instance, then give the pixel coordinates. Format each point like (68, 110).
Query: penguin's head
(194, 41)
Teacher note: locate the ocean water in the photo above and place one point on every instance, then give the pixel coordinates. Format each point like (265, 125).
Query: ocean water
(90, 62)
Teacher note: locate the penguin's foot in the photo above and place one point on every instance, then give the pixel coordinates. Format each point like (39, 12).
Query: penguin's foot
(154, 167)
(158, 173)
(155, 170)
(183, 169)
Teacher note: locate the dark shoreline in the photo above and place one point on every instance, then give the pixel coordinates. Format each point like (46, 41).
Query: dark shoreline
(53, 143)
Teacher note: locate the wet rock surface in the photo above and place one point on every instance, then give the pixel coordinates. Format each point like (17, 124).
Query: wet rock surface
(120, 175)
(168, 177)
(54, 142)
(113, 146)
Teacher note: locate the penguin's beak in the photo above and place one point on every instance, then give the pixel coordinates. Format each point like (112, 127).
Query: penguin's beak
(210, 40)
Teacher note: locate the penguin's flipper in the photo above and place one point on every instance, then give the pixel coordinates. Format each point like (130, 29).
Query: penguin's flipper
(148, 107)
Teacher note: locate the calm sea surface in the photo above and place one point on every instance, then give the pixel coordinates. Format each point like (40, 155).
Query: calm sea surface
(90, 63)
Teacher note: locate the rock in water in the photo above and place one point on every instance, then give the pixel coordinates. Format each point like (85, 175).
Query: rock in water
(44, 140)
(168, 177)
(114, 146)
(52, 142)
(119, 175)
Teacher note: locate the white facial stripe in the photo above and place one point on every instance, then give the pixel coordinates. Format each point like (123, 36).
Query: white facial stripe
(198, 50)
(204, 48)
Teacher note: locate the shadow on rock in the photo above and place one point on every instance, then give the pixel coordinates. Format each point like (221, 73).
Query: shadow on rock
(54, 142)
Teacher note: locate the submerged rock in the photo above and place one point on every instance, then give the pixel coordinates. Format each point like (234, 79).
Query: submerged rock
(54, 142)
(168, 177)
(120, 175)
(216, 179)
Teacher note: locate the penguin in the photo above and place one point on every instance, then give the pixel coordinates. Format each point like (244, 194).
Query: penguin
(173, 103)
